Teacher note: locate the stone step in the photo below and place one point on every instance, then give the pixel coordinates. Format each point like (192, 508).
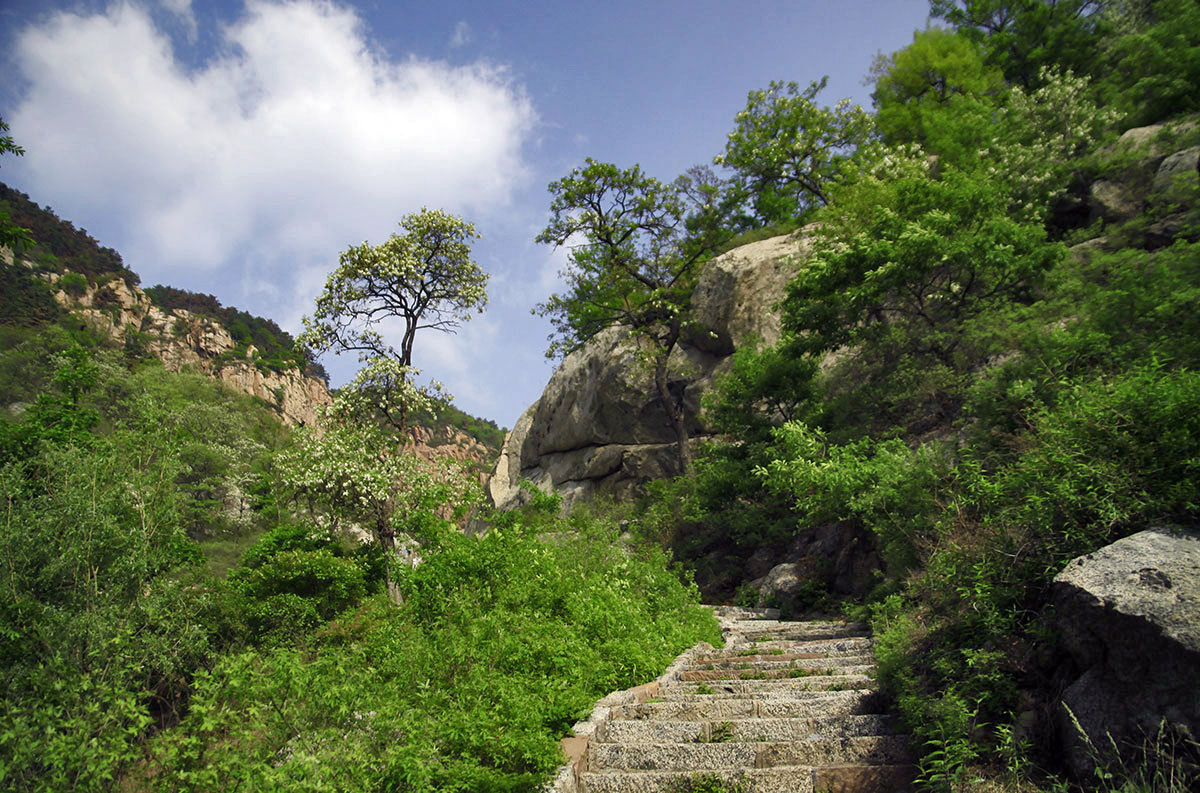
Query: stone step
(803, 634)
(768, 687)
(765, 780)
(743, 613)
(819, 751)
(780, 673)
(782, 650)
(864, 778)
(793, 661)
(745, 729)
(793, 779)
(812, 704)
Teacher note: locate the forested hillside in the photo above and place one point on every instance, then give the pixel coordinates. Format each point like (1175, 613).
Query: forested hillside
(988, 367)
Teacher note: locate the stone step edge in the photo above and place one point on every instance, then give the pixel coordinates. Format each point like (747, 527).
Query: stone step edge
(575, 745)
(848, 778)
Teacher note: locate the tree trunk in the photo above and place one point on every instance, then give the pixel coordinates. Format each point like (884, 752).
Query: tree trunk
(675, 412)
(387, 541)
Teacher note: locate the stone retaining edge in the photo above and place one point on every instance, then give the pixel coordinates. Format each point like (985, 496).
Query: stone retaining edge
(575, 745)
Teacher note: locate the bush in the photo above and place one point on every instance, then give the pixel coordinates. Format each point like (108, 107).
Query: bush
(502, 642)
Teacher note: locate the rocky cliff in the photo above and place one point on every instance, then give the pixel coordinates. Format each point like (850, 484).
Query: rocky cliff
(598, 428)
(181, 339)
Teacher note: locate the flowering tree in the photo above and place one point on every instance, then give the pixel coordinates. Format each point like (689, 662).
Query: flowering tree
(424, 277)
(357, 468)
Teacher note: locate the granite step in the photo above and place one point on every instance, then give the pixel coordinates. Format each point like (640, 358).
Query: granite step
(818, 751)
(746, 729)
(767, 687)
(810, 704)
(786, 707)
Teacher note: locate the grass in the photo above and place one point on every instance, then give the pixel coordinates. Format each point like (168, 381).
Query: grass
(222, 554)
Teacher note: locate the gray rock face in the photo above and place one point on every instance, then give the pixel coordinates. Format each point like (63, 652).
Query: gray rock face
(598, 427)
(1158, 173)
(1129, 615)
(838, 559)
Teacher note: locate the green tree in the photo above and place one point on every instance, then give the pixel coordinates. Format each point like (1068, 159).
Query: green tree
(786, 149)
(12, 236)
(923, 252)
(424, 277)
(637, 244)
(914, 86)
(1153, 59)
(1022, 37)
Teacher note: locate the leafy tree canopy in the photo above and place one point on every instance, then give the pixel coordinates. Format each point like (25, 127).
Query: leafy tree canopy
(786, 149)
(635, 245)
(1021, 37)
(1152, 59)
(425, 277)
(914, 86)
(11, 235)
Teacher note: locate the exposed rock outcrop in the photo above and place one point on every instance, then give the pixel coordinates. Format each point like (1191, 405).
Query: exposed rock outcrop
(1129, 615)
(598, 427)
(1158, 173)
(183, 339)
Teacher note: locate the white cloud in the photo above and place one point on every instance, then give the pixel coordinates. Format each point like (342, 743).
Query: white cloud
(294, 141)
(462, 34)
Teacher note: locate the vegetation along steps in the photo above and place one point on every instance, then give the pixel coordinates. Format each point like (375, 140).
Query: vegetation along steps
(784, 707)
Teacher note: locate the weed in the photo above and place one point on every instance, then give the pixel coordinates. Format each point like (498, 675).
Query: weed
(709, 783)
(718, 733)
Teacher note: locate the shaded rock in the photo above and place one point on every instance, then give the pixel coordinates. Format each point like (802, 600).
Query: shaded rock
(1129, 615)
(835, 559)
(1114, 201)
(1157, 161)
(1182, 166)
(598, 427)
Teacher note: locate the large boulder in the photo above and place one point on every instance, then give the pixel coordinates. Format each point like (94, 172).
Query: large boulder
(1157, 175)
(1129, 615)
(598, 427)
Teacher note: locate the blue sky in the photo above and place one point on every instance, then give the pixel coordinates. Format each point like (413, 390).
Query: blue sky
(236, 148)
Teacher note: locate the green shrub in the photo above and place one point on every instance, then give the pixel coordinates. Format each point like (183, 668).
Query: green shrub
(74, 284)
(502, 642)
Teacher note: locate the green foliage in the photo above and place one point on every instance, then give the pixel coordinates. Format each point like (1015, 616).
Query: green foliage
(882, 485)
(1153, 60)
(72, 249)
(25, 299)
(920, 254)
(424, 277)
(914, 86)
(786, 149)
(502, 642)
(294, 592)
(12, 236)
(1021, 37)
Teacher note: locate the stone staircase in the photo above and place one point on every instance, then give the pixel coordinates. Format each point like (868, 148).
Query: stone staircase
(785, 707)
